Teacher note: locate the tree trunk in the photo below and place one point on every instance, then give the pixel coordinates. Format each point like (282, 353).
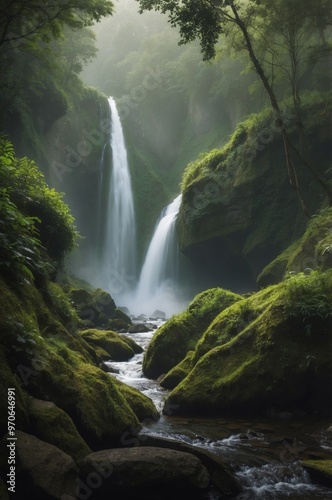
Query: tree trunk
(292, 175)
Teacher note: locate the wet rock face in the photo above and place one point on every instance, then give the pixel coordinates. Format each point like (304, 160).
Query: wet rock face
(149, 470)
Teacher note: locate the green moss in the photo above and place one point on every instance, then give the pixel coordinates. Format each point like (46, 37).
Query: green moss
(238, 199)
(320, 471)
(272, 349)
(120, 315)
(82, 390)
(104, 302)
(178, 373)
(56, 364)
(104, 355)
(140, 404)
(52, 425)
(61, 304)
(179, 334)
(313, 250)
(119, 347)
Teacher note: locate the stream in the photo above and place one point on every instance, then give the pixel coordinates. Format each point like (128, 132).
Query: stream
(264, 453)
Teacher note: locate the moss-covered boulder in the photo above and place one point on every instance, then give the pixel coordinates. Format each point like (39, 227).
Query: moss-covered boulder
(52, 425)
(96, 306)
(50, 360)
(141, 405)
(313, 250)
(320, 471)
(104, 301)
(178, 373)
(119, 314)
(236, 201)
(270, 350)
(180, 334)
(119, 347)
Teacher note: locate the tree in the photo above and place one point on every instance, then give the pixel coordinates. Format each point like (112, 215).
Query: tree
(208, 19)
(293, 42)
(21, 19)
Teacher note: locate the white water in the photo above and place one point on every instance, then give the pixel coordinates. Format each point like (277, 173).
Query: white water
(119, 255)
(263, 474)
(158, 283)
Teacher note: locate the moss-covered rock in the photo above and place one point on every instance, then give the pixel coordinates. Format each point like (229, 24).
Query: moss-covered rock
(270, 350)
(313, 250)
(180, 334)
(85, 305)
(236, 204)
(178, 373)
(320, 471)
(82, 390)
(55, 363)
(119, 314)
(105, 302)
(52, 425)
(119, 347)
(141, 405)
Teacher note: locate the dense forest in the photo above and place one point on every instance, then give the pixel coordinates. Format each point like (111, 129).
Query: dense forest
(165, 249)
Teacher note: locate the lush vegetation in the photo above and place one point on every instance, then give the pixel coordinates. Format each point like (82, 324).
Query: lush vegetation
(180, 334)
(283, 44)
(269, 351)
(37, 229)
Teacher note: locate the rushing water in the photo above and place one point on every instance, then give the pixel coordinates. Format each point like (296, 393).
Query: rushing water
(158, 282)
(264, 453)
(119, 240)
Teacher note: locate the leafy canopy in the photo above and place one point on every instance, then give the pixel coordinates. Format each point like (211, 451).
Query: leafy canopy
(20, 19)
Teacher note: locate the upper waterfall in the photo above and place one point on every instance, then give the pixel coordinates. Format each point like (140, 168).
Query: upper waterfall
(118, 260)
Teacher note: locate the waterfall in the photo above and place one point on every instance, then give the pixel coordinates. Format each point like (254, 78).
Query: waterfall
(157, 286)
(118, 234)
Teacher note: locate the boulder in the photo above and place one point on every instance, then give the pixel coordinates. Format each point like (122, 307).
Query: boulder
(269, 350)
(119, 314)
(139, 328)
(45, 472)
(222, 477)
(52, 425)
(158, 315)
(85, 305)
(179, 334)
(320, 471)
(119, 347)
(178, 373)
(104, 301)
(145, 472)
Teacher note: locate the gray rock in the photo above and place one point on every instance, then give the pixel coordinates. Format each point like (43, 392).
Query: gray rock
(48, 472)
(139, 328)
(222, 477)
(131, 471)
(158, 314)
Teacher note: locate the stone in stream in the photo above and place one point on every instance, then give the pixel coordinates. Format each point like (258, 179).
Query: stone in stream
(158, 315)
(145, 472)
(222, 478)
(139, 328)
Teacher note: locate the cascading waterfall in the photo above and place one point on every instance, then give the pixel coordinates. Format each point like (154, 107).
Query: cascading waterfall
(118, 238)
(157, 286)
